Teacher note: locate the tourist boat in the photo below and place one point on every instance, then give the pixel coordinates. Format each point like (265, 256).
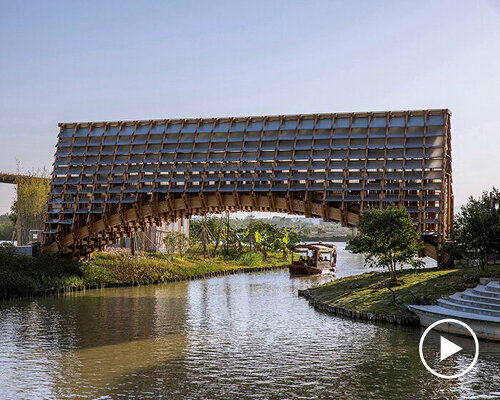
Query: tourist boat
(314, 259)
(478, 307)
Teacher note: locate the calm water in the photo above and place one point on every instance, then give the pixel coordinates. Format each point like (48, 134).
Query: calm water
(246, 336)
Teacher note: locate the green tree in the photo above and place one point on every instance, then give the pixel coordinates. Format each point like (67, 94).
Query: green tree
(258, 238)
(285, 240)
(32, 192)
(265, 236)
(214, 229)
(252, 233)
(195, 227)
(236, 238)
(176, 242)
(388, 239)
(476, 231)
(6, 227)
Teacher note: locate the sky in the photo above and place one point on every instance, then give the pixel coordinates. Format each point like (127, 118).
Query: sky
(64, 61)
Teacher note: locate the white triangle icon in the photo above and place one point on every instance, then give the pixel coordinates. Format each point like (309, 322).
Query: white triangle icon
(448, 348)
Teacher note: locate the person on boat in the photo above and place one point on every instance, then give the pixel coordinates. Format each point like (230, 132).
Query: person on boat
(301, 260)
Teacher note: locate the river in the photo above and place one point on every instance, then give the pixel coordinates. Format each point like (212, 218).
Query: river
(245, 336)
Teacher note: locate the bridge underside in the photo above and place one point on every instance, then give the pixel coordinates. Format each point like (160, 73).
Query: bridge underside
(111, 179)
(98, 233)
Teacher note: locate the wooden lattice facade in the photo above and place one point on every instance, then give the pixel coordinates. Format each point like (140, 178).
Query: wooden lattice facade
(111, 179)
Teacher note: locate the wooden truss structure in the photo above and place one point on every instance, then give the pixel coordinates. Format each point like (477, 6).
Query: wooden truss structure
(111, 179)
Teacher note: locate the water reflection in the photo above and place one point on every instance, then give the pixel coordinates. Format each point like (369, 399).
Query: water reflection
(242, 336)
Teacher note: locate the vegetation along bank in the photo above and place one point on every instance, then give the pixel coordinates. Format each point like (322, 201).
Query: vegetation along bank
(22, 275)
(214, 248)
(375, 296)
(387, 238)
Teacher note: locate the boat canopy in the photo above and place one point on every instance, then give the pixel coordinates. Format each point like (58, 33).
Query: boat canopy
(320, 247)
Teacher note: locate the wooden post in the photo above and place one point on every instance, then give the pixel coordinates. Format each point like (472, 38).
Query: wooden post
(227, 233)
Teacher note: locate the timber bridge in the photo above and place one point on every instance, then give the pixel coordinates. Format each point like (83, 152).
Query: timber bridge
(111, 179)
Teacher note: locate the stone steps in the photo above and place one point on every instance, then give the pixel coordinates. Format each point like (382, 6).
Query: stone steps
(493, 286)
(483, 290)
(441, 312)
(482, 300)
(459, 299)
(479, 306)
(468, 294)
(467, 308)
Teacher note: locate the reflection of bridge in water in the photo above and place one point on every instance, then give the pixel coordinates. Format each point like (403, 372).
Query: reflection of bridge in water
(111, 179)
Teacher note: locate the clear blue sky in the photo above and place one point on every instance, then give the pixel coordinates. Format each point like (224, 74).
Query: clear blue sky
(96, 60)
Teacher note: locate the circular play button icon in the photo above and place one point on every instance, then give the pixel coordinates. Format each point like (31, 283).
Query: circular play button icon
(452, 352)
(448, 348)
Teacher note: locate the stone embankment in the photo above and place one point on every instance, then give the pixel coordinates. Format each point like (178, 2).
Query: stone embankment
(408, 319)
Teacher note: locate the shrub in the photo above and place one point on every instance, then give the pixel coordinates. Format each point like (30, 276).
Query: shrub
(176, 242)
(111, 253)
(251, 259)
(95, 274)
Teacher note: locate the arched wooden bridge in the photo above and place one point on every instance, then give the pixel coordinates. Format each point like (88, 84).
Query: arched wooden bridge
(113, 178)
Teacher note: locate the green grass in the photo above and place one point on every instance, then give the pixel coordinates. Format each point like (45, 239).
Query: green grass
(154, 268)
(366, 292)
(22, 275)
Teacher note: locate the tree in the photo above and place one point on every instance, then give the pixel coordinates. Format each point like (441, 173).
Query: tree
(265, 236)
(254, 234)
(237, 236)
(212, 227)
(176, 242)
(476, 231)
(388, 239)
(32, 192)
(6, 227)
(285, 240)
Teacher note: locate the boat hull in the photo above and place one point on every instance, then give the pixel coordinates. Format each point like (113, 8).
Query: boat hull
(308, 270)
(319, 271)
(298, 270)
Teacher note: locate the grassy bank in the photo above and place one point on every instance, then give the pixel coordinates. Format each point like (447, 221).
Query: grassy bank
(367, 293)
(109, 269)
(22, 275)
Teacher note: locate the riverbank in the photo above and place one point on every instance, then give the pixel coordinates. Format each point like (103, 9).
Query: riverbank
(366, 296)
(22, 276)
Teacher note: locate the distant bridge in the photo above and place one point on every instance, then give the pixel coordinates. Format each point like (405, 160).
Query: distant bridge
(111, 179)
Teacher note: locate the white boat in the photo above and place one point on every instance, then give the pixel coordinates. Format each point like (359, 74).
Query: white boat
(478, 307)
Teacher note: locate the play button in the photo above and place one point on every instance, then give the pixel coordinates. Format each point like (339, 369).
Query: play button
(448, 357)
(448, 348)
